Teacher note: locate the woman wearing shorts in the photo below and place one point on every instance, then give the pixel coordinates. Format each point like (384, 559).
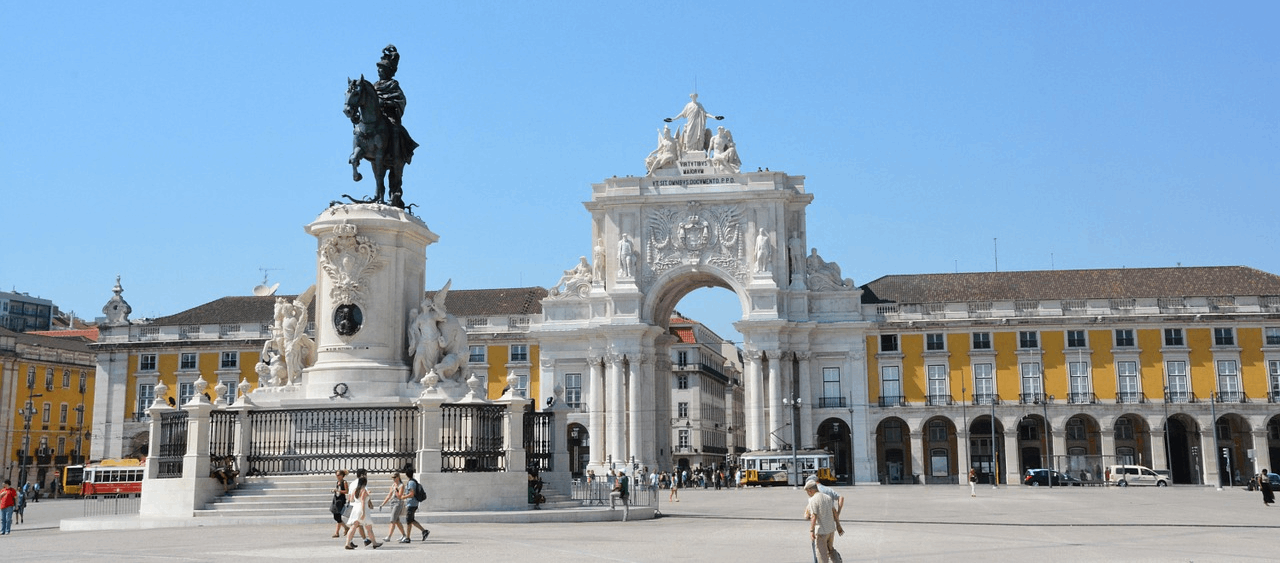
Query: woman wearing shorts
(397, 507)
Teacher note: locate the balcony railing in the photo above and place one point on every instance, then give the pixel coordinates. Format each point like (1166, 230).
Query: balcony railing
(986, 399)
(939, 400)
(1081, 398)
(1232, 397)
(1130, 398)
(1180, 397)
(893, 401)
(1030, 398)
(830, 402)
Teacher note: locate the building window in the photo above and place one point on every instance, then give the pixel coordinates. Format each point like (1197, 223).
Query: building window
(573, 390)
(682, 358)
(1032, 382)
(1228, 381)
(937, 431)
(230, 395)
(187, 360)
(185, 392)
(1028, 339)
(683, 440)
(66, 378)
(519, 352)
(31, 377)
(888, 343)
(682, 410)
(80, 415)
(48, 379)
(984, 385)
(62, 414)
(1127, 373)
(892, 431)
(934, 342)
(1176, 378)
(938, 383)
(682, 381)
(1076, 339)
(1173, 337)
(1078, 375)
(521, 385)
(230, 360)
(1274, 368)
(48, 409)
(890, 383)
(1124, 429)
(146, 396)
(1223, 337)
(1075, 429)
(831, 383)
(982, 341)
(476, 355)
(84, 381)
(1124, 338)
(1271, 336)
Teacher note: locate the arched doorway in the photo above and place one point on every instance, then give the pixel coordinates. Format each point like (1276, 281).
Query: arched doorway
(1082, 436)
(1184, 449)
(1273, 440)
(941, 465)
(1132, 441)
(1033, 445)
(893, 451)
(833, 436)
(986, 449)
(1233, 440)
(579, 449)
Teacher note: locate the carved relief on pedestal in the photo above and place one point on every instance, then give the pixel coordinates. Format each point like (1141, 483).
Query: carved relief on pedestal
(348, 259)
(696, 235)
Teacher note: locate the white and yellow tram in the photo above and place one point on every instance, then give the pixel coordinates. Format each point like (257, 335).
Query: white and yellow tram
(777, 467)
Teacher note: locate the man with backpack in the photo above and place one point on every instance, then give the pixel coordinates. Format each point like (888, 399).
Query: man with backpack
(413, 495)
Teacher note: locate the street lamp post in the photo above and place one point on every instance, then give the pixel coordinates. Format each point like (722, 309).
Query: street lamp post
(1168, 457)
(1213, 428)
(28, 412)
(995, 453)
(852, 456)
(794, 402)
(1048, 439)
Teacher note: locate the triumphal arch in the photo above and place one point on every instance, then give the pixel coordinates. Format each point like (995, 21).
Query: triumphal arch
(696, 219)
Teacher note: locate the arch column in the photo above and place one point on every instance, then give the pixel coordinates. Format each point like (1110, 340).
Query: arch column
(1012, 456)
(917, 456)
(639, 407)
(1159, 454)
(616, 425)
(962, 454)
(776, 419)
(1261, 450)
(806, 407)
(754, 394)
(595, 435)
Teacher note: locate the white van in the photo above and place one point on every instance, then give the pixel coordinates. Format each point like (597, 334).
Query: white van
(1125, 475)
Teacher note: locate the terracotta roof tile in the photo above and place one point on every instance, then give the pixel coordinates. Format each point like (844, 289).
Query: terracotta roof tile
(235, 309)
(90, 334)
(501, 301)
(685, 335)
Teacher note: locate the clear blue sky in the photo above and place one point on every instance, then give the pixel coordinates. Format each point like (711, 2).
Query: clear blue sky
(184, 145)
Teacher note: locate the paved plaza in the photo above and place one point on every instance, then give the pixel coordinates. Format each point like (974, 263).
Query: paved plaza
(883, 523)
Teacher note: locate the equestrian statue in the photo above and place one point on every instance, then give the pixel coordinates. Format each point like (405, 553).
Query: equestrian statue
(379, 137)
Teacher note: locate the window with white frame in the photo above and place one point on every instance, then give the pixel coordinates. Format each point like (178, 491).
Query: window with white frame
(682, 381)
(1032, 382)
(146, 396)
(984, 383)
(519, 352)
(84, 381)
(66, 378)
(982, 341)
(683, 440)
(937, 381)
(573, 390)
(1271, 336)
(1176, 378)
(1173, 337)
(80, 415)
(1228, 381)
(62, 414)
(935, 342)
(31, 377)
(521, 385)
(682, 409)
(48, 410)
(890, 381)
(48, 379)
(185, 392)
(1124, 338)
(1127, 379)
(831, 382)
(1224, 337)
(62, 445)
(229, 396)
(1076, 339)
(682, 358)
(1273, 369)
(187, 360)
(1028, 339)
(476, 354)
(1078, 381)
(229, 360)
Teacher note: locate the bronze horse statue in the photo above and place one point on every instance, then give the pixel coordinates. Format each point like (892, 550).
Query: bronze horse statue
(371, 141)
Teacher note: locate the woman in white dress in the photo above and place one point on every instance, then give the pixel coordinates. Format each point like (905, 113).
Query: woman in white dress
(360, 506)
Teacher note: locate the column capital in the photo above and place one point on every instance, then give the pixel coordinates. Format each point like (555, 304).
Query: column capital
(804, 355)
(614, 359)
(547, 363)
(773, 354)
(754, 355)
(595, 361)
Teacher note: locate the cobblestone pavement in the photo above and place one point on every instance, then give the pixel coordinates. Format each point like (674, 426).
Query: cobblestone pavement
(883, 523)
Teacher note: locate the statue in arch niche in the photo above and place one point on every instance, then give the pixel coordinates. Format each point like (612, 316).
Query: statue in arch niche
(437, 340)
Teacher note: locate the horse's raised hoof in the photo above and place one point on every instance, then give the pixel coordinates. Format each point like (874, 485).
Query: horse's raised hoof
(356, 177)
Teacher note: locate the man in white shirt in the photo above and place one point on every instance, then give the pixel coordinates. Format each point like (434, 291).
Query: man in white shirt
(822, 523)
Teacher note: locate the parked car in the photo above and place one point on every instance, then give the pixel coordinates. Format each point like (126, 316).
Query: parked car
(1125, 475)
(1040, 478)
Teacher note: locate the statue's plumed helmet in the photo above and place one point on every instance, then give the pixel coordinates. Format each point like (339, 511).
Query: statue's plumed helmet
(390, 58)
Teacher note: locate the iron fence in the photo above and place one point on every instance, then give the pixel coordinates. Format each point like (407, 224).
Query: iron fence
(471, 438)
(222, 433)
(538, 440)
(111, 505)
(173, 444)
(319, 441)
(596, 492)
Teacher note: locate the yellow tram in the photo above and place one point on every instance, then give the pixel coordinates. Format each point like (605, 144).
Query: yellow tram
(777, 467)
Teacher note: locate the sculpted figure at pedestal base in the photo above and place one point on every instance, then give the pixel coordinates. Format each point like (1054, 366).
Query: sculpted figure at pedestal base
(437, 340)
(825, 276)
(290, 350)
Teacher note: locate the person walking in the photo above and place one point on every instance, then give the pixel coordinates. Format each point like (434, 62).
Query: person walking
(412, 492)
(621, 491)
(19, 510)
(395, 495)
(8, 499)
(837, 501)
(359, 519)
(674, 495)
(339, 503)
(973, 482)
(1264, 483)
(820, 512)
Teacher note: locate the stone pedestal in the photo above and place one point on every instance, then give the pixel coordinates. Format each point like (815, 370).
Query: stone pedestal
(370, 269)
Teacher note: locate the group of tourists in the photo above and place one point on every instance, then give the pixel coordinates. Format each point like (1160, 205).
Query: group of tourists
(351, 508)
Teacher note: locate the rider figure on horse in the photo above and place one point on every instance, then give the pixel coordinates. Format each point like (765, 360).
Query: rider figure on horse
(400, 146)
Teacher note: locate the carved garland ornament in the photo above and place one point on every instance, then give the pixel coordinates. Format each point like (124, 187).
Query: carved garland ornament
(695, 235)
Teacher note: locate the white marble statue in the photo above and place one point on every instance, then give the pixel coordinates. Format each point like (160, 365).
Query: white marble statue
(575, 280)
(437, 339)
(665, 155)
(762, 251)
(825, 276)
(695, 134)
(626, 257)
(289, 348)
(117, 309)
(795, 249)
(597, 262)
(725, 158)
